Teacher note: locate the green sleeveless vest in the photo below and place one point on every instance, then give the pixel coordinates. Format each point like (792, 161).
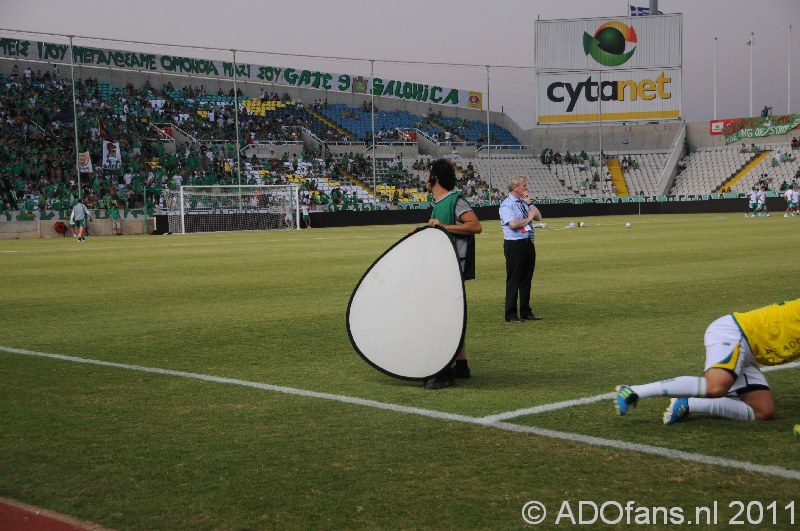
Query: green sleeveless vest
(445, 211)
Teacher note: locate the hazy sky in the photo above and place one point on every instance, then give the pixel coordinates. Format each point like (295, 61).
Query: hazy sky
(498, 33)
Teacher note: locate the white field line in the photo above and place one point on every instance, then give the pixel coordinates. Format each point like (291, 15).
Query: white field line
(545, 408)
(173, 243)
(542, 432)
(781, 367)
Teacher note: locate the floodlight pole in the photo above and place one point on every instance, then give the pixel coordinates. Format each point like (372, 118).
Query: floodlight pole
(715, 78)
(372, 117)
(789, 76)
(752, 45)
(601, 163)
(488, 135)
(75, 116)
(236, 119)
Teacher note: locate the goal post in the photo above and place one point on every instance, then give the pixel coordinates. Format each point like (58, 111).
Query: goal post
(232, 208)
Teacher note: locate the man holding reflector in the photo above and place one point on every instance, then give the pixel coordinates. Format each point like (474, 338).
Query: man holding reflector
(452, 213)
(407, 316)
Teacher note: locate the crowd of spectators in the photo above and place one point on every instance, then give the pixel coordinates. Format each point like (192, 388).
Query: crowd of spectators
(281, 123)
(474, 188)
(752, 149)
(764, 180)
(582, 160)
(599, 178)
(628, 163)
(37, 147)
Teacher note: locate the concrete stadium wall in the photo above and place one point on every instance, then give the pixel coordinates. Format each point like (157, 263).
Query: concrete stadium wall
(618, 137)
(15, 230)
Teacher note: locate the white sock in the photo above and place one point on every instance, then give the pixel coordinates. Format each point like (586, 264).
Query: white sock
(727, 408)
(681, 386)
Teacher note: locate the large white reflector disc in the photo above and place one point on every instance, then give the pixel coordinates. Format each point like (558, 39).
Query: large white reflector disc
(407, 315)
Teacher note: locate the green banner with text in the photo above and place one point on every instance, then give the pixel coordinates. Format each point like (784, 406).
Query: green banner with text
(276, 75)
(761, 126)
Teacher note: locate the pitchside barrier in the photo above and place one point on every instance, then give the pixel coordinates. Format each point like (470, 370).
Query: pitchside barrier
(14, 228)
(56, 228)
(737, 206)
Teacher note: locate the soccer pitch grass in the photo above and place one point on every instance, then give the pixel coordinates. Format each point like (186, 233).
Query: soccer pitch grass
(217, 388)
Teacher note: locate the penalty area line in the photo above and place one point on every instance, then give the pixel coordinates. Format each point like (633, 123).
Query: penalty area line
(440, 415)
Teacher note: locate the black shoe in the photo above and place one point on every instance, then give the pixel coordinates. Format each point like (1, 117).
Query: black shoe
(532, 317)
(461, 369)
(443, 379)
(513, 320)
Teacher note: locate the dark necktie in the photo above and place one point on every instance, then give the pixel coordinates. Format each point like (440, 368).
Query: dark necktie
(523, 206)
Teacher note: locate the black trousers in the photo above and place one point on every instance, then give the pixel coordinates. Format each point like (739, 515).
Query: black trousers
(520, 263)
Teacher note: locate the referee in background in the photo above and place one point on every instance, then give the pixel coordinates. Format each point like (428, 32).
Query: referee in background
(517, 215)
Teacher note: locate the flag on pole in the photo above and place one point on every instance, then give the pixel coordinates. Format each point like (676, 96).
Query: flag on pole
(636, 11)
(750, 43)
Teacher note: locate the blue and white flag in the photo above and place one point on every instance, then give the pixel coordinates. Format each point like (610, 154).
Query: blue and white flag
(636, 11)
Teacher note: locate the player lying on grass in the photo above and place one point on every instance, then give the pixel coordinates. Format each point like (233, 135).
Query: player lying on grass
(732, 387)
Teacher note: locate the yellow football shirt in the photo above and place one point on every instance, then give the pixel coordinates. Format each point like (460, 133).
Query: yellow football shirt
(773, 332)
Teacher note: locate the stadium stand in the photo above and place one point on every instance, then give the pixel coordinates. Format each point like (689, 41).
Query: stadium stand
(388, 124)
(170, 136)
(543, 181)
(643, 174)
(358, 122)
(780, 164)
(474, 131)
(707, 169)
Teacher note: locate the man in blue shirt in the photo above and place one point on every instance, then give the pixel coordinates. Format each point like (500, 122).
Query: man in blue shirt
(517, 215)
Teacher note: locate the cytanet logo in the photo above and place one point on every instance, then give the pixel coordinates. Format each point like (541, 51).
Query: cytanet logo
(609, 43)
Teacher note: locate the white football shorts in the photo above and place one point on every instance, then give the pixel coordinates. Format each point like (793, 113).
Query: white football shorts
(728, 349)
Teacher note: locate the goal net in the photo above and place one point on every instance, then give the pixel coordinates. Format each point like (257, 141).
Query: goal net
(232, 208)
